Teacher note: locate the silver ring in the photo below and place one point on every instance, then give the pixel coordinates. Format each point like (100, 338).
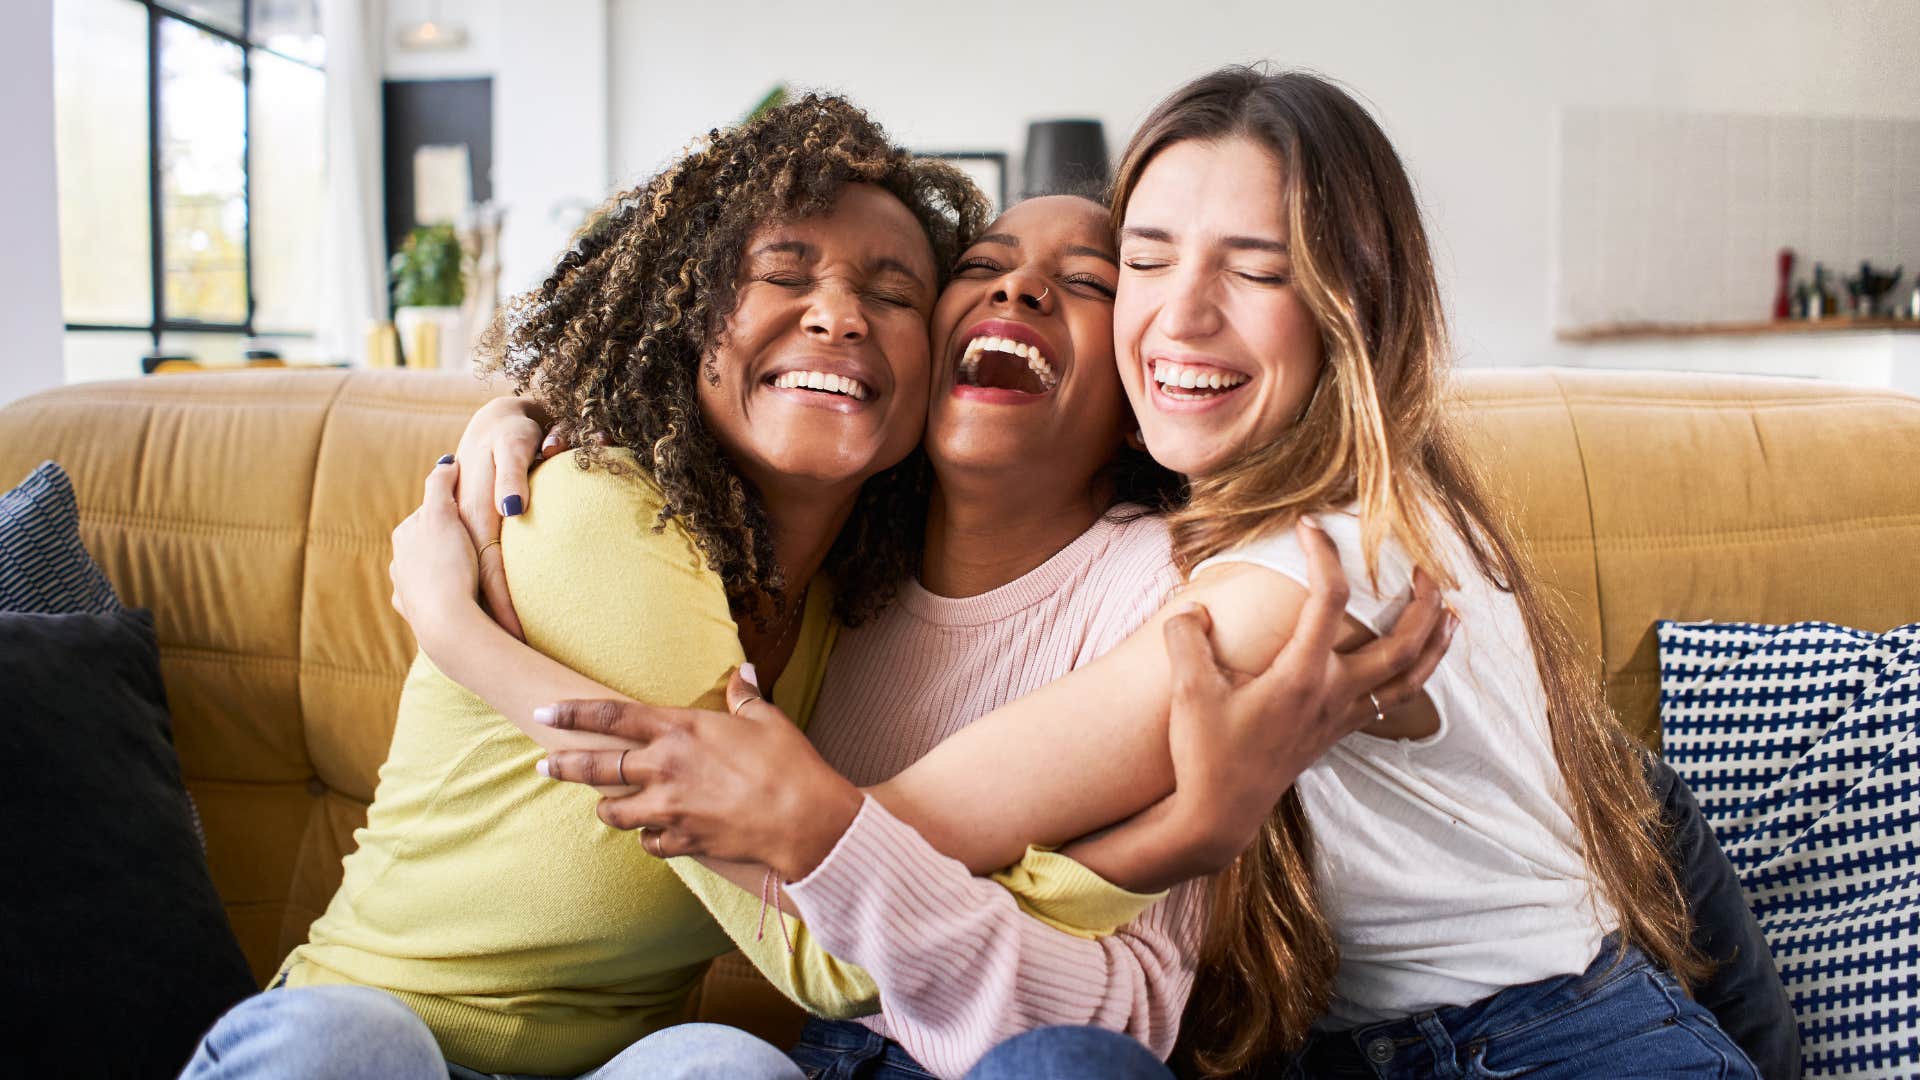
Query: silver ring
(620, 769)
(1379, 714)
(744, 702)
(1043, 294)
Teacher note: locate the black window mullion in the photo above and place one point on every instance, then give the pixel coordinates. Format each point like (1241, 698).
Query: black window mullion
(155, 229)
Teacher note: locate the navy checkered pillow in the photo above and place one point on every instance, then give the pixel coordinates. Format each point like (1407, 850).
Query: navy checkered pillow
(1802, 744)
(44, 569)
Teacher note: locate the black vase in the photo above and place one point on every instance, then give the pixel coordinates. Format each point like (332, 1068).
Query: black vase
(1065, 157)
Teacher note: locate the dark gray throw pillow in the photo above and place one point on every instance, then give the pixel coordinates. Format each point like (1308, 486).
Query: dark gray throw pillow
(118, 955)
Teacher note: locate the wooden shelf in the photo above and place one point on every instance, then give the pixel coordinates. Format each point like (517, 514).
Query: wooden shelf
(1632, 331)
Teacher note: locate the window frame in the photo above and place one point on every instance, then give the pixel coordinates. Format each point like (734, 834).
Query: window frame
(158, 322)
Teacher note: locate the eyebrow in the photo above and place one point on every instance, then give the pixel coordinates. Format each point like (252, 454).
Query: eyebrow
(786, 247)
(1008, 240)
(1233, 243)
(898, 267)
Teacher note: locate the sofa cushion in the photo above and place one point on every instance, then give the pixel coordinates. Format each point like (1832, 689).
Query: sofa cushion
(1802, 744)
(43, 565)
(118, 954)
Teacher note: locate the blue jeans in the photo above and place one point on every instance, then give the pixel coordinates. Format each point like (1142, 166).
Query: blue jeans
(349, 1032)
(1629, 1020)
(843, 1050)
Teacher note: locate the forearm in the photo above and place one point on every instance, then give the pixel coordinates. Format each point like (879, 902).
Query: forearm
(1088, 750)
(512, 677)
(1167, 843)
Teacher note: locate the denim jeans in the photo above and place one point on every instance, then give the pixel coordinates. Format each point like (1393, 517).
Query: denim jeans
(351, 1032)
(842, 1050)
(1615, 1021)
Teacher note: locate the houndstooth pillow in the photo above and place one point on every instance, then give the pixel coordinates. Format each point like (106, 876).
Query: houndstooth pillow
(1802, 744)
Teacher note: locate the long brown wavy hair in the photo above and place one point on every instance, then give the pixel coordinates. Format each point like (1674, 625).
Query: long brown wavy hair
(1377, 431)
(612, 341)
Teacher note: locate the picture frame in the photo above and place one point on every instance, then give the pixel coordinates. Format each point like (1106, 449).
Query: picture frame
(987, 168)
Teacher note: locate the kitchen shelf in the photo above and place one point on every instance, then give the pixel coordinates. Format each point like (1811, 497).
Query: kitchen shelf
(1633, 331)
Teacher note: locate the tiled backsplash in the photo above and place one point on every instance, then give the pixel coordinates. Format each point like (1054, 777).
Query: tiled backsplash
(1678, 217)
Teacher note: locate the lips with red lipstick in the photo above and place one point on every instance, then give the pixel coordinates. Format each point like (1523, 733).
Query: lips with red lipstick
(1005, 356)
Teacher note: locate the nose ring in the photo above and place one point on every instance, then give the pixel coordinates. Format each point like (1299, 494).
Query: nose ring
(1043, 294)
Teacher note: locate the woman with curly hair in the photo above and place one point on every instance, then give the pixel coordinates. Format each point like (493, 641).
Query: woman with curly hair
(749, 329)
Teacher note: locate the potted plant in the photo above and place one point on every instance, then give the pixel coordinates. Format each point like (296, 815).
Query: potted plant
(429, 285)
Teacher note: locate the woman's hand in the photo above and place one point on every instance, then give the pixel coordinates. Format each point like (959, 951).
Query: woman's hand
(1233, 757)
(434, 569)
(496, 452)
(744, 786)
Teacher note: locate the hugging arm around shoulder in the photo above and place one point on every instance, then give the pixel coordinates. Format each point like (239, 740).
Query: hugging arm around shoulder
(603, 597)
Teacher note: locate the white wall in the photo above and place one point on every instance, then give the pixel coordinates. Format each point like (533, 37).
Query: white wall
(548, 61)
(1468, 89)
(30, 319)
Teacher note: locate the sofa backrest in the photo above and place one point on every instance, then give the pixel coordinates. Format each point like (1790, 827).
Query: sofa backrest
(251, 512)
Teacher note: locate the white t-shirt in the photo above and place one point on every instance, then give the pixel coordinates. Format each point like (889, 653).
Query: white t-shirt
(1449, 865)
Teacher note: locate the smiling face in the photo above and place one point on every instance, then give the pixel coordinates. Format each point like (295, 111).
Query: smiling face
(820, 374)
(1218, 352)
(1023, 337)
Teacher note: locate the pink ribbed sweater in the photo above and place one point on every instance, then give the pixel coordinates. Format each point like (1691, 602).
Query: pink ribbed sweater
(960, 968)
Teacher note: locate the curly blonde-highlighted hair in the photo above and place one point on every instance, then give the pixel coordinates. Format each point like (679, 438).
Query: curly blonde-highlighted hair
(1376, 431)
(615, 337)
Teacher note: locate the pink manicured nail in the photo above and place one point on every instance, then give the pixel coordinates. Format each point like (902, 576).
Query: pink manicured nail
(545, 714)
(748, 673)
(541, 768)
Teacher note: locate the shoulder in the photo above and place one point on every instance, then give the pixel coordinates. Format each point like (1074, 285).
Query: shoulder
(576, 504)
(1376, 594)
(596, 531)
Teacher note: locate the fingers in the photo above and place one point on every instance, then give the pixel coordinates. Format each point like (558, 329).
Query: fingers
(494, 592)
(598, 768)
(1326, 606)
(478, 510)
(1407, 685)
(1401, 651)
(626, 719)
(1197, 678)
(741, 688)
(513, 453)
(554, 444)
(442, 481)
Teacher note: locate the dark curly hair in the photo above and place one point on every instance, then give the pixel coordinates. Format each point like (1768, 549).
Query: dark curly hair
(612, 341)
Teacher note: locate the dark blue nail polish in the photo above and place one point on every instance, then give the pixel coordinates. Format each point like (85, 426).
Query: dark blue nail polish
(510, 506)
(446, 459)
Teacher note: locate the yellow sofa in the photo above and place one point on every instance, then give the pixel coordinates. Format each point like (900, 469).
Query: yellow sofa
(251, 512)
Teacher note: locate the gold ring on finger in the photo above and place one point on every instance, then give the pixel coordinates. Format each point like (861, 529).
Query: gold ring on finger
(495, 542)
(744, 702)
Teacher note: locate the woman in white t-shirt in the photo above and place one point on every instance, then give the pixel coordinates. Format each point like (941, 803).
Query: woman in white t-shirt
(1471, 886)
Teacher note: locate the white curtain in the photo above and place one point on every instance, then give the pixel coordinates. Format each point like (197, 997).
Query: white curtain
(353, 246)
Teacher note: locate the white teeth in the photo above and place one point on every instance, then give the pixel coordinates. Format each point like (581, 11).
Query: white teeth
(1036, 363)
(821, 380)
(1189, 377)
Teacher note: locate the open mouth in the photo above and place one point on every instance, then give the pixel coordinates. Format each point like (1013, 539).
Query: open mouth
(822, 382)
(1196, 382)
(998, 363)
